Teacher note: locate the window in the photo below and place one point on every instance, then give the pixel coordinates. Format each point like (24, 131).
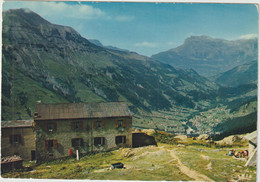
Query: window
(88, 128)
(77, 126)
(120, 139)
(77, 142)
(50, 127)
(49, 144)
(98, 141)
(121, 124)
(99, 124)
(15, 139)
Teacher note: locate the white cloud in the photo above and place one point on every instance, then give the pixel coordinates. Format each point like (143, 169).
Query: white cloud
(248, 36)
(64, 10)
(58, 9)
(146, 44)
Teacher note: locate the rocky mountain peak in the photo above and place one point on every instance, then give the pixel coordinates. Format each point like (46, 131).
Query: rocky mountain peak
(210, 56)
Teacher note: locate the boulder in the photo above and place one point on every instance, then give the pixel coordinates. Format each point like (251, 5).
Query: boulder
(180, 145)
(204, 137)
(231, 139)
(181, 137)
(148, 131)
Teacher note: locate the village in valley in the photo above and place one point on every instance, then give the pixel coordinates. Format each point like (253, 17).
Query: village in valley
(73, 108)
(76, 132)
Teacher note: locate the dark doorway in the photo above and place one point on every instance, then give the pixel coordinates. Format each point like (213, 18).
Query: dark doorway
(33, 155)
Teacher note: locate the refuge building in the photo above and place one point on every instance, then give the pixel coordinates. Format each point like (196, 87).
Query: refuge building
(61, 129)
(18, 138)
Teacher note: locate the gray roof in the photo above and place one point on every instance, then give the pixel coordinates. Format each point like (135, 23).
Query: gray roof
(252, 137)
(17, 124)
(81, 110)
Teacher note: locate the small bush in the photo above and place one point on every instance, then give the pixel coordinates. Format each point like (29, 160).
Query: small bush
(164, 137)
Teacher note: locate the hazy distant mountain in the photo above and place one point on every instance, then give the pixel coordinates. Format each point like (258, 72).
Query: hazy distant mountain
(53, 63)
(210, 56)
(98, 43)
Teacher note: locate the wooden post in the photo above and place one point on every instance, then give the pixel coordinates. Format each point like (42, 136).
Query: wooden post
(77, 154)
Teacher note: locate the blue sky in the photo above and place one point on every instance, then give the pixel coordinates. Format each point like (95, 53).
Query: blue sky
(148, 28)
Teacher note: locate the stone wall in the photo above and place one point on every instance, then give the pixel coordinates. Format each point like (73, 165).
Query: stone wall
(88, 130)
(23, 147)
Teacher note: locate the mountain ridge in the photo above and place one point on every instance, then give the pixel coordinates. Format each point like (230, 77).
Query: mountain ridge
(64, 63)
(209, 56)
(239, 75)
(98, 43)
(43, 61)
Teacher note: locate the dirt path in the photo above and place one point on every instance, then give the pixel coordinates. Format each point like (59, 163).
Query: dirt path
(189, 172)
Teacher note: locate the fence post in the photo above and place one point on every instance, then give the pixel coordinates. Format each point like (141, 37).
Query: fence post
(77, 154)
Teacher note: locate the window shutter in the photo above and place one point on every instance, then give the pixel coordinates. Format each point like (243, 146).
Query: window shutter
(95, 124)
(125, 124)
(116, 124)
(103, 141)
(88, 127)
(81, 125)
(72, 125)
(124, 139)
(72, 142)
(46, 144)
(55, 144)
(55, 126)
(95, 141)
(11, 139)
(103, 124)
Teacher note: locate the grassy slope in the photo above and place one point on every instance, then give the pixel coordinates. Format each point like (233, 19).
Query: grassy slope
(224, 168)
(138, 167)
(19, 105)
(146, 163)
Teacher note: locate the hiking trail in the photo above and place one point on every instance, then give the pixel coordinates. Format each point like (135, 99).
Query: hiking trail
(189, 172)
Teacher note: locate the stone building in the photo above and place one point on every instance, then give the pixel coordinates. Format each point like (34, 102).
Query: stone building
(18, 138)
(61, 129)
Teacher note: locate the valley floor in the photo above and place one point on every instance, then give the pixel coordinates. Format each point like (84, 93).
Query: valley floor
(165, 162)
